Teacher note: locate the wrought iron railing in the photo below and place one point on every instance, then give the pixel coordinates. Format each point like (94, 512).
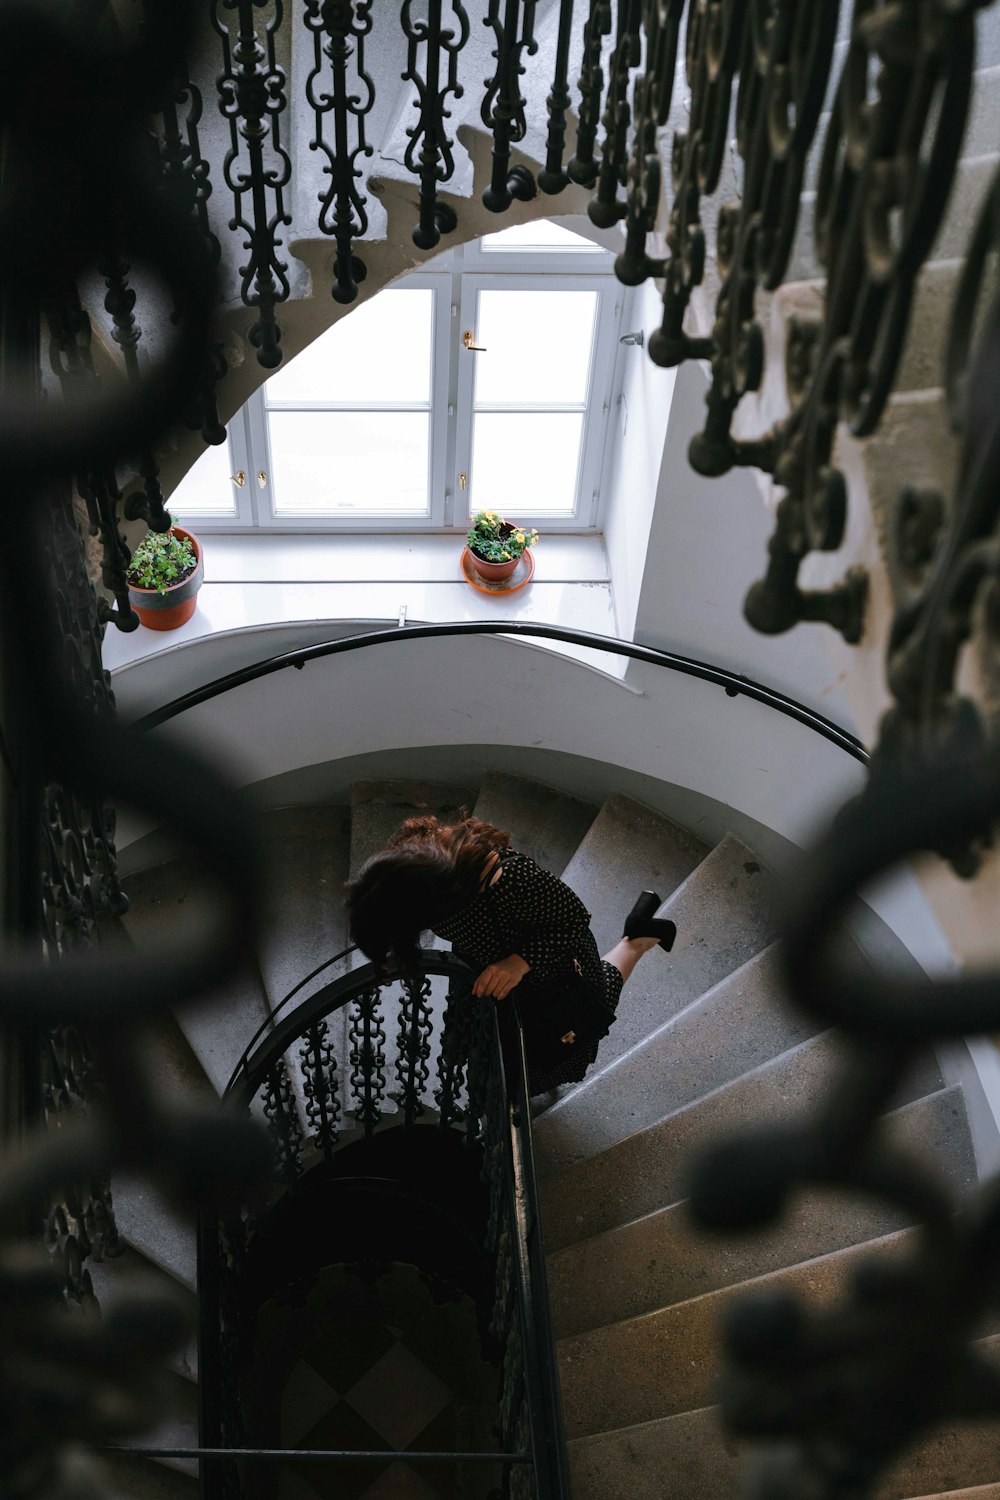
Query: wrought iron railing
(361, 1054)
(95, 211)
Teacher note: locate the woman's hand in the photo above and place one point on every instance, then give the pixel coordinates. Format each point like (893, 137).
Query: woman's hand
(500, 978)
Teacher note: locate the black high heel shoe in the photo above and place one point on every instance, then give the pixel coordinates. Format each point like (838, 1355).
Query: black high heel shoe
(642, 921)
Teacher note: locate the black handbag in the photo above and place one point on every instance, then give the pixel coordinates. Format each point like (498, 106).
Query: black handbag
(566, 1012)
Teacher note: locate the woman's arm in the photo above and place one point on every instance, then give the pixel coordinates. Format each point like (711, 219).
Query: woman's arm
(547, 917)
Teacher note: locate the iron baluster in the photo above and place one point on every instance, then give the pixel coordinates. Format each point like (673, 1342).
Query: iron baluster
(503, 104)
(606, 209)
(71, 359)
(877, 215)
(582, 167)
(712, 53)
(944, 559)
(339, 33)
(319, 1070)
(453, 1055)
(120, 303)
(784, 70)
(651, 100)
(367, 1057)
(429, 154)
(252, 98)
(283, 1121)
(413, 1047)
(187, 179)
(553, 177)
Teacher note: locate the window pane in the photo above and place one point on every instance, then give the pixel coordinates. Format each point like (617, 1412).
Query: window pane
(379, 352)
(540, 234)
(332, 463)
(206, 488)
(537, 346)
(525, 464)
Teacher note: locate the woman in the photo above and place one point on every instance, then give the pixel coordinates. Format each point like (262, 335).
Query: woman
(519, 926)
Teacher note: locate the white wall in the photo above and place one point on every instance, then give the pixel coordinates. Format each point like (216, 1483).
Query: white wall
(707, 545)
(637, 455)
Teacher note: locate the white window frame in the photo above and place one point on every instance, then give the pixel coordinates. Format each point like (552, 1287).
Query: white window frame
(598, 395)
(457, 278)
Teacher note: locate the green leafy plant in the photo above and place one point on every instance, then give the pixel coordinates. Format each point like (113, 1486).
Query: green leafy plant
(160, 560)
(495, 540)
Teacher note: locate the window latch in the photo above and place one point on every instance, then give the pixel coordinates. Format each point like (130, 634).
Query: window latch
(469, 340)
(239, 479)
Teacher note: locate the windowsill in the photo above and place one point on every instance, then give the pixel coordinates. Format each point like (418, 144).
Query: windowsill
(256, 582)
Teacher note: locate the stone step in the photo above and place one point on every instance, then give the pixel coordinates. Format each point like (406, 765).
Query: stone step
(132, 1273)
(689, 1455)
(981, 1492)
(667, 1361)
(151, 1225)
(628, 848)
(662, 1259)
(741, 1022)
(649, 1169)
(219, 1027)
(379, 807)
(128, 1477)
(306, 857)
(178, 1427)
(544, 823)
(915, 445)
(971, 185)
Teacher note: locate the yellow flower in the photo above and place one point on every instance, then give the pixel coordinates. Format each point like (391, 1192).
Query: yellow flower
(505, 555)
(519, 536)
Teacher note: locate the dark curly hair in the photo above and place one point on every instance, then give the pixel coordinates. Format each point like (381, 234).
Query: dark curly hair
(427, 871)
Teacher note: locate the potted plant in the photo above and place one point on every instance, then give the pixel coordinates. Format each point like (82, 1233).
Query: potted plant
(164, 576)
(495, 545)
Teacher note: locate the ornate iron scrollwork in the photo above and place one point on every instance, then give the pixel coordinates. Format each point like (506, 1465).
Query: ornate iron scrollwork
(367, 1058)
(322, 1094)
(429, 152)
(339, 33)
(944, 558)
(413, 1047)
(503, 105)
(583, 166)
(257, 167)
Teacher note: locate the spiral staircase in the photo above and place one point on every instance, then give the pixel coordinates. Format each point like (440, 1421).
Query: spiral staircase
(704, 1043)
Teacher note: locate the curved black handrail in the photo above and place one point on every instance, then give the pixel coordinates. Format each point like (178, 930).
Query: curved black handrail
(734, 683)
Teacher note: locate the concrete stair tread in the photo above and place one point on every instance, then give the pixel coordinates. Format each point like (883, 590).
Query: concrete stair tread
(662, 1258)
(218, 1027)
(628, 848)
(379, 807)
(307, 853)
(178, 1427)
(667, 1361)
(646, 1170)
(689, 1455)
(544, 823)
(724, 912)
(131, 1272)
(742, 1021)
(155, 1229)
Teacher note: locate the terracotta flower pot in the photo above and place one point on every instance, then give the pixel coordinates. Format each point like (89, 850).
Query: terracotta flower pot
(494, 572)
(176, 605)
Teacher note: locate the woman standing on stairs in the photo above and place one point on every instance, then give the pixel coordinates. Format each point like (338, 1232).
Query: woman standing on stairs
(507, 917)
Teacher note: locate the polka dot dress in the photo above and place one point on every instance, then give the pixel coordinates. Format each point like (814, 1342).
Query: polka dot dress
(528, 911)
